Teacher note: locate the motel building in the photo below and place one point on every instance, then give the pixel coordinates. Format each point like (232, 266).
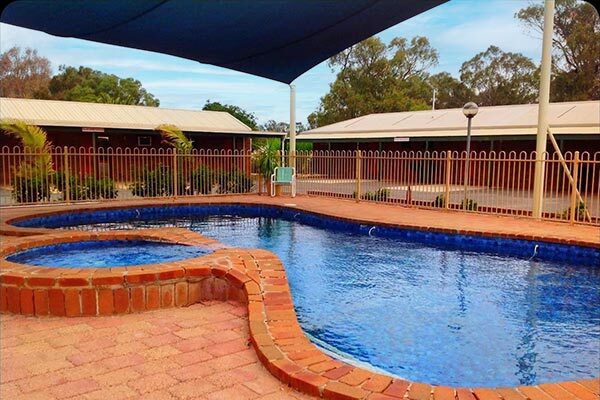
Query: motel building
(111, 126)
(510, 128)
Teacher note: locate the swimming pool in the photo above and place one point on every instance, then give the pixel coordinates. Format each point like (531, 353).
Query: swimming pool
(429, 307)
(105, 254)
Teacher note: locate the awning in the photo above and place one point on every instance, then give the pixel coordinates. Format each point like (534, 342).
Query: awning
(275, 39)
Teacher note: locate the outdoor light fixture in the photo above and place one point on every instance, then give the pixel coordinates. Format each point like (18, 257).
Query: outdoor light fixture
(470, 110)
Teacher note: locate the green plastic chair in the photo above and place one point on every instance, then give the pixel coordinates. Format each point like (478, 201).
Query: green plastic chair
(283, 176)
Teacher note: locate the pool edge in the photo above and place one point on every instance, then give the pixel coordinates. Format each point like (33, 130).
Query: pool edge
(7, 228)
(254, 276)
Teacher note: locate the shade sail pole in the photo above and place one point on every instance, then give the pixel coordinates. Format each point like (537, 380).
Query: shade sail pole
(292, 155)
(544, 101)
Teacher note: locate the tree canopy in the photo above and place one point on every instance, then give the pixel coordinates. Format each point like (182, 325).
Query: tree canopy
(450, 92)
(241, 114)
(24, 74)
(88, 85)
(498, 78)
(275, 126)
(374, 77)
(576, 48)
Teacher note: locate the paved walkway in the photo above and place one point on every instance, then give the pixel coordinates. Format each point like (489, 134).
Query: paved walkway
(451, 221)
(197, 352)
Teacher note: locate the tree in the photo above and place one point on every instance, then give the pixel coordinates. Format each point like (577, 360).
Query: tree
(24, 74)
(374, 77)
(498, 78)
(88, 85)
(275, 126)
(414, 60)
(451, 93)
(247, 118)
(576, 48)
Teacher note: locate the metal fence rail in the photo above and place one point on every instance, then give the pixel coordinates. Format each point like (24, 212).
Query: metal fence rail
(81, 174)
(497, 183)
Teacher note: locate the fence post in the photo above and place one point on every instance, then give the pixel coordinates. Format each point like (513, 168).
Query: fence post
(574, 191)
(447, 180)
(358, 174)
(66, 175)
(175, 186)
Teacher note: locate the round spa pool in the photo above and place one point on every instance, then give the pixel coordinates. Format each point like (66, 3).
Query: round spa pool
(444, 309)
(105, 254)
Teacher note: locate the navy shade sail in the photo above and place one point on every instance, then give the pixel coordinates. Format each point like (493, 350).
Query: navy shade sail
(275, 39)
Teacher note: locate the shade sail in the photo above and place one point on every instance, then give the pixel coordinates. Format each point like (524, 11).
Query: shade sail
(275, 39)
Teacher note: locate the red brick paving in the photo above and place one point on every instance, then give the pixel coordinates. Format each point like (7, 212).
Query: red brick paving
(177, 353)
(445, 220)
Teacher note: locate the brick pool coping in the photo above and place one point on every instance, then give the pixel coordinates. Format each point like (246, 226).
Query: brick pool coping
(254, 276)
(447, 221)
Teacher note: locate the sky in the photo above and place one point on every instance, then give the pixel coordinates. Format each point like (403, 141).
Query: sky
(458, 29)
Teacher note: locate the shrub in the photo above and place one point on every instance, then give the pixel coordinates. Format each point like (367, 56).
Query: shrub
(77, 190)
(103, 188)
(581, 211)
(381, 194)
(471, 205)
(30, 190)
(203, 179)
(236, 181)
(440, 201)
(153, 183)
(86, 188)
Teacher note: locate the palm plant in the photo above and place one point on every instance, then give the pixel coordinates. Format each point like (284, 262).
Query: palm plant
(34, 140)
(32, 181)
(266, 158)
(174, 137)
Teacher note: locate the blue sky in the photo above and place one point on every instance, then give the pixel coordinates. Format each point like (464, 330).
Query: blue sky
(458, 29)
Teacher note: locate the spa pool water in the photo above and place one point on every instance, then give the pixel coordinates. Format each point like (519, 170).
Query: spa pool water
(105, 254)
(430, 312)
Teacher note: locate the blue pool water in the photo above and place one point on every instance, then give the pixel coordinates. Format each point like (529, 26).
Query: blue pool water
(105, 254)
(435, 308)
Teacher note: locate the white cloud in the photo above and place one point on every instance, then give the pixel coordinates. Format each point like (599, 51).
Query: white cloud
(478, 35)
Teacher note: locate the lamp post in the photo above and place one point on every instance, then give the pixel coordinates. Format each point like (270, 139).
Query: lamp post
(470, 110)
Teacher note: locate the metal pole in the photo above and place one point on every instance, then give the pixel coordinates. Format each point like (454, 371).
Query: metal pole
(283, 150)
(433, 101)
(544, 101)
(66, 175)
(175, 180)
(358, 175)
(466, 179)
(574, 192)
(292, 162)
(446, 204)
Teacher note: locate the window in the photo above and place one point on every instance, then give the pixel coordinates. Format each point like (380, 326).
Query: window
(144, 141)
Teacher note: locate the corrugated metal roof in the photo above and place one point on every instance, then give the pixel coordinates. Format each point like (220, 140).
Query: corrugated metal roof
(580, 118)
(95, 115)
